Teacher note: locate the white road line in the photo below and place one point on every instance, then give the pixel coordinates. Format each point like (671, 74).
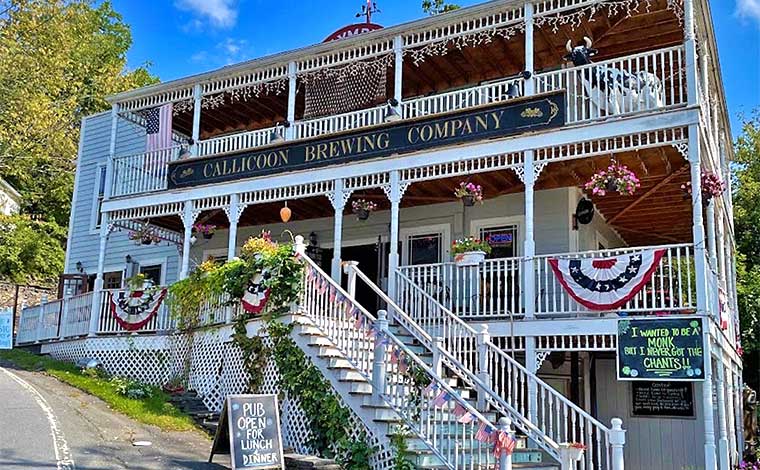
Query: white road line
(63, 458)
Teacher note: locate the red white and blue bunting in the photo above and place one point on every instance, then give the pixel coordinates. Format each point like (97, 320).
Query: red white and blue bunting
(133, 309)
(606, 283)
(256, 294)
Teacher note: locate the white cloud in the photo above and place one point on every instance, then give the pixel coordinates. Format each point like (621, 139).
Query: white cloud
(220, 13)
(229, 51)
(748, 9)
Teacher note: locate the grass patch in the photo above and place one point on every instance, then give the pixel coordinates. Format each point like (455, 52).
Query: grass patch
(154, 410)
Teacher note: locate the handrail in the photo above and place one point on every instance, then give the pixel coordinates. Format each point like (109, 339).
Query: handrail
(431, 422)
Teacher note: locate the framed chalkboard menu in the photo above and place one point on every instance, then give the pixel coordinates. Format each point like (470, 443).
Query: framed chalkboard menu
(661, 349)
(249, 432)
(662, 399)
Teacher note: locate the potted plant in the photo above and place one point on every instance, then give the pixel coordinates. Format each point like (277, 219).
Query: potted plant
(574, 450)
(712, 186)
(362, 208)
(207, 230)
(469, 193)
(174, 386)
(470, 251)
(145, 236)
(616, 178)
(138, 282)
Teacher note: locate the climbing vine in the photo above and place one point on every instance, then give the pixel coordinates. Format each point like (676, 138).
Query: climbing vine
(330, 423)
(254, 351)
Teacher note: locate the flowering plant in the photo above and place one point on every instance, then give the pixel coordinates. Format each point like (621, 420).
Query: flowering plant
(744, 465)
(145, 235)
(363, 205)
(469, 190)
(712, 185)
(262, 244)
(577, 445)
(616, 177)
(204, 229)
(467, 244)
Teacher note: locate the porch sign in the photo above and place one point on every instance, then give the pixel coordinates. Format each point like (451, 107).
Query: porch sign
(661, 349)
(486, 122)
(249, 432)
(662, 399)
(6, 329)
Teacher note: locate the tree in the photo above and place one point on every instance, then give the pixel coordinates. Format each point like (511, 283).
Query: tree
(747, 229)
(59, 59)
(436, 7)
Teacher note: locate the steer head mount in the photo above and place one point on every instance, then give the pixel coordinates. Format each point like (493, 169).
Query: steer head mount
(582, 53)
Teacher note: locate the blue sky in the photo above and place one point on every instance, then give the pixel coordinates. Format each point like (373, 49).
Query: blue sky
(184, 37)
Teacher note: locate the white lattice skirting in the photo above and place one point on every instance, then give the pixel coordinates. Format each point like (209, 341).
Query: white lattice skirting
(216, 370)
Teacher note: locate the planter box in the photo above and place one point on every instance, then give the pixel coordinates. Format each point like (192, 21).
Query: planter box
(470, 258)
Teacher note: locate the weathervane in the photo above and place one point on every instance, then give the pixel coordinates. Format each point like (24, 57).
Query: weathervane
(368, 10)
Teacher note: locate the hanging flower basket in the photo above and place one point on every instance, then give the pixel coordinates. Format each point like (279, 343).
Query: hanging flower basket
(207, 230)
(146, 235)
(469, 193)
(470, 251)
(574, 450)
(712, 186)
(363, 208)
(616, 178)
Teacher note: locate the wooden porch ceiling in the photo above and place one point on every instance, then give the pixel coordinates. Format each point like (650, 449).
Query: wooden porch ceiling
(614, 36)
(658, 213)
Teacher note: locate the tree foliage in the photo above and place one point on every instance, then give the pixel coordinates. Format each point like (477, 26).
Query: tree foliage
(30, 251)
(436, 7)
(59, 59)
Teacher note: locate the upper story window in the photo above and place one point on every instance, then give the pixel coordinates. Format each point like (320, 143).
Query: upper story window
(153, 273)
(100, 191)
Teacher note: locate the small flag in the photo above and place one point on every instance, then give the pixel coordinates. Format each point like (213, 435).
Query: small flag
(466, 418)
(484, 433)
(459, 410)
(503, 444)
(403, 365)
(441, 399)
(359, 323)
(395, 355)
(432, 387)
(333, 294)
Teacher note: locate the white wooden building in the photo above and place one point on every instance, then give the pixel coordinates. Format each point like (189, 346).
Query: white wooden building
(652, 99)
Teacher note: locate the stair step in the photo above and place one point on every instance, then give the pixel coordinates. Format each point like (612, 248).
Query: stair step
(347, 375)
(339, 363)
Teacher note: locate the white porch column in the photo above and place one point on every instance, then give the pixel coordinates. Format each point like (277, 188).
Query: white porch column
(691, 52)
(529, 278)
(398, 71)
(97, 296)
(707, 402)
(197, 108)
(233, 215)
(530, 83)
(395, 191)
(188, 219)
(698, 223)
(338, 200)
(731, 416)
(712, 252)
(292, 90)
(723, 456)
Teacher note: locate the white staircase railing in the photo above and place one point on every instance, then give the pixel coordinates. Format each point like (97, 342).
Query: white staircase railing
(400, 379)
(549, 418)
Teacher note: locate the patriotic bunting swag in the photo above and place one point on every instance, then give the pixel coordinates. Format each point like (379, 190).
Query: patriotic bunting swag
(133, 309)
(256, 295)
(608, 283)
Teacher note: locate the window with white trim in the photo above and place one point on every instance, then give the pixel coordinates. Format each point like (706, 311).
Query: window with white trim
(502, 240)
(100, 187)
(153, 273)
(424, 245)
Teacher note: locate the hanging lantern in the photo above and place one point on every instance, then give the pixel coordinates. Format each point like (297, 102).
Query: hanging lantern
(285, 213)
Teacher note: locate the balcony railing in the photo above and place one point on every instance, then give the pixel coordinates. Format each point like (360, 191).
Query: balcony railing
(628, 85)
(495, 289)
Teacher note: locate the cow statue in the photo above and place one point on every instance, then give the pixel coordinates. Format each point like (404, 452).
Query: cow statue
(612, 90)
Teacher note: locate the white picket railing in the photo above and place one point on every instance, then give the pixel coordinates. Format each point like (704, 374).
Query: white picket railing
(436, 424)
(503, 382)
(458, 100)
(641, 82)
(50, 315)
(671, 288)
(107, 322)
(235, 142)
(27, 325)
(492, 289)
(76, 316)
(340, 122)
(142, 172)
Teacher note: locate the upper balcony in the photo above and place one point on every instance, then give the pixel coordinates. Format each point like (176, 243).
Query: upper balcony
(462, 60)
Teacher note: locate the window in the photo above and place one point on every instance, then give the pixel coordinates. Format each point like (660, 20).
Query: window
(112, 280)
(502, 239)
(153, 273)
(424, 245)
(99, 194)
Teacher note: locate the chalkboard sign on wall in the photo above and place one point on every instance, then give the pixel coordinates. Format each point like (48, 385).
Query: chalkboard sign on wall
(661, 349)
(668, 399)
(249, 431)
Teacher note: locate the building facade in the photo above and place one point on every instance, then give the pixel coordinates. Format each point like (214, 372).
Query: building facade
(527, 100)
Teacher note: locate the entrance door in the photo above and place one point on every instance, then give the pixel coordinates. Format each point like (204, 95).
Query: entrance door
(367, 256)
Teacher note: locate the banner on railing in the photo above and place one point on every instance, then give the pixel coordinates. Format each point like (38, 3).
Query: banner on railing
(134, 309)
(256, 294)
(606, 283)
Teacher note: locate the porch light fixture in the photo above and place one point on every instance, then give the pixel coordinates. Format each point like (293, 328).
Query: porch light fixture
(276, 136)
(80, 268)
(513, 91)
(392, 115)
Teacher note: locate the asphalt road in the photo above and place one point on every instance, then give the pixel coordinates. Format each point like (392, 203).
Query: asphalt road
(45, 424)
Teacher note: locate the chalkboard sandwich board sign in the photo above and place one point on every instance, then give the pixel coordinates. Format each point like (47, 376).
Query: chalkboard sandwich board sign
(249, 432)
(661, 349)
(662, 399)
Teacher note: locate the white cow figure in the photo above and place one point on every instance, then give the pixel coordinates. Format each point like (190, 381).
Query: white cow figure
(612, 90)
